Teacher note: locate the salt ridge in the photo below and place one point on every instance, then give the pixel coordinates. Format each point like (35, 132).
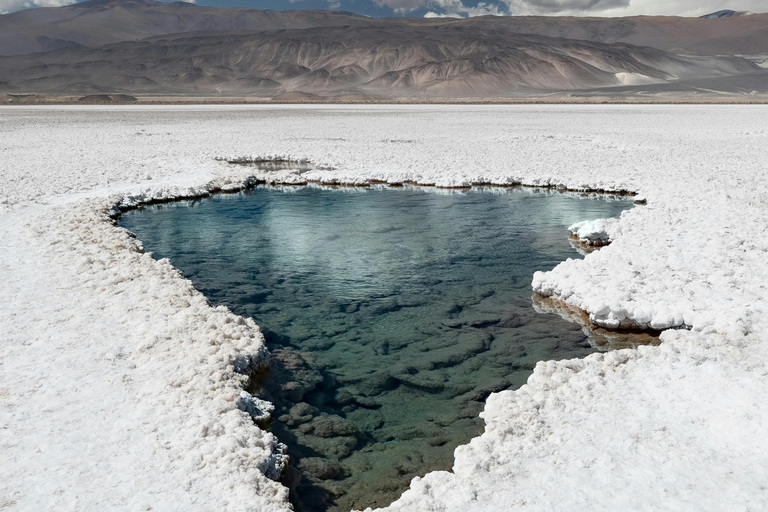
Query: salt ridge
(121, 387)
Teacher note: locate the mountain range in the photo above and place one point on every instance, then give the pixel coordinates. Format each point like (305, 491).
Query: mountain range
(144, 47)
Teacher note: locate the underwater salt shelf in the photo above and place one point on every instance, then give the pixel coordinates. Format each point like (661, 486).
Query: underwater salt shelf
(390, 315)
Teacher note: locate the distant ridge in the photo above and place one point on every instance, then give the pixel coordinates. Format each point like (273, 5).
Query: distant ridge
(383, 59)
(104, 48)
(725, 13)
(95, 23)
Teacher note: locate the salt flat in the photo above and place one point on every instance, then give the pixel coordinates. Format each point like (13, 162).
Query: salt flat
(120, 386)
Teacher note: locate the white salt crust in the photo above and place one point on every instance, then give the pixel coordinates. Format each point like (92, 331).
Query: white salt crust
(121, 388)
(593, 232)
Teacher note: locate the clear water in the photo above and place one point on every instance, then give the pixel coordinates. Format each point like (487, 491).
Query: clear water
(390, 314)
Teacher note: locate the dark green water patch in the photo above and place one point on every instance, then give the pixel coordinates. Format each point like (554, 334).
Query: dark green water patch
(390, 315)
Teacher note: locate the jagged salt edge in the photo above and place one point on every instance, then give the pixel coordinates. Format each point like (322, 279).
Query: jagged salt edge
(243, 401)
(240, 347)
(603, 312)
(255, 408)
(337, 173)
(600, 314)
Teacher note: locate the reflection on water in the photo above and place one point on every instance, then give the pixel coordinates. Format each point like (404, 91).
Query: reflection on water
(390, 314)
(600, 338)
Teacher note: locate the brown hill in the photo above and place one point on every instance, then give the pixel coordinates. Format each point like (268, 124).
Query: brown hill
(385, 59)
(735, 35)
(98, 22)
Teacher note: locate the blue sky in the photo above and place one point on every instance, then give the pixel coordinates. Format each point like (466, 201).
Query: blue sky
(465, 8)
(366, 7)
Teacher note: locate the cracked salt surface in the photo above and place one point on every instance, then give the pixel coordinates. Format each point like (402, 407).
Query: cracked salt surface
(118, 386)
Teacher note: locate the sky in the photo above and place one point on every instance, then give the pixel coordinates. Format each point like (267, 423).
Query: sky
(465, 8)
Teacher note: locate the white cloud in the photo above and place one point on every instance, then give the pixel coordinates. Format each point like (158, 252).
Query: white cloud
(7, 6)
(432, 14)
(636, 7)
(446, 8)
(558, 6)
(457, 8)
(577, 7)
(332, 4)
(686, 7)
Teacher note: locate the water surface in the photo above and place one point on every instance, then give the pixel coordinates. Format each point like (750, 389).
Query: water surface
(390, 314)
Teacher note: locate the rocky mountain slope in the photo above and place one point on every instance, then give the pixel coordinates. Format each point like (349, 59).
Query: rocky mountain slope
(694, 36)
(98, 22)
(389, 60)
(184, 49)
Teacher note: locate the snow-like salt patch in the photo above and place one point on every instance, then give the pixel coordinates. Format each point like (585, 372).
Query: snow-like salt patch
(636, 79)
(122, 389)
(593, 232)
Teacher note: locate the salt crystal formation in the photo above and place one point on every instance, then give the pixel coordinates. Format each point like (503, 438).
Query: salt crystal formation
(120, 387)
